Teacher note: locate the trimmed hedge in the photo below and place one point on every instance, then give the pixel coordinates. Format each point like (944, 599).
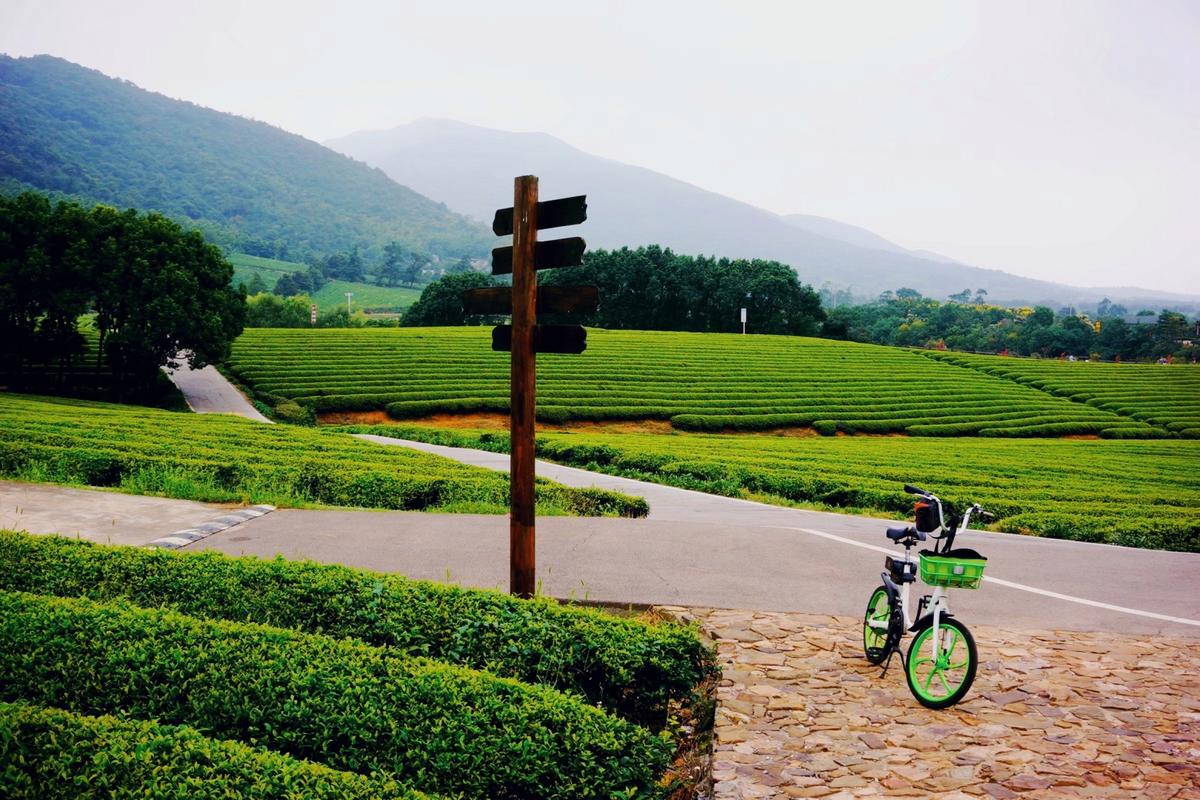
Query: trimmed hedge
(626, 665)
(217, 457)
(436, 727)
(48, 754)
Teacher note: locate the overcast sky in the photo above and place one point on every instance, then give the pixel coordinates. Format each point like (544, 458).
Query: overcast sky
(1057, 140)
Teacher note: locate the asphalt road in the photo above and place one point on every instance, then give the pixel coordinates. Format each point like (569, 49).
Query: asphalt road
(704, 550)
(701, 549)
(104, 517)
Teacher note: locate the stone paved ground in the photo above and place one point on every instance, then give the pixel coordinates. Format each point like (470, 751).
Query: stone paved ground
(1051, 715)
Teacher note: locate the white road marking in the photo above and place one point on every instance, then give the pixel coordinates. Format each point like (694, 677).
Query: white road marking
(1011, 585)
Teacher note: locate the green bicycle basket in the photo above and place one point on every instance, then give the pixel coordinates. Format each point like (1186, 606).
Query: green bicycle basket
(958, 569)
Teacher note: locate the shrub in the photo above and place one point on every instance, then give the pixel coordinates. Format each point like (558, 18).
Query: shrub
(291, 411)
(437, 727)
(48, 754)
(626, 665)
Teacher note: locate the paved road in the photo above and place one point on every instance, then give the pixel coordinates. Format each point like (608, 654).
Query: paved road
(207, 392)
(105, 517)
(700, 549)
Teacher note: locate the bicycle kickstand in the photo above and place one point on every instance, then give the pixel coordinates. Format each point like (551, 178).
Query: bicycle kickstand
(888, 663)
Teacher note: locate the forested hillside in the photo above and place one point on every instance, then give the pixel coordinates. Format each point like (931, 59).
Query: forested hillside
(247, 185)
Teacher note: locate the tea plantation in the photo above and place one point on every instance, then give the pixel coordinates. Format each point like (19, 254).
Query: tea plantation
(702, 382)
(357, 685)
(223, 458)
(1135, 493)
(1167, 396)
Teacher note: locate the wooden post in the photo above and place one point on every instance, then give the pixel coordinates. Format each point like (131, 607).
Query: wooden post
(522, 558)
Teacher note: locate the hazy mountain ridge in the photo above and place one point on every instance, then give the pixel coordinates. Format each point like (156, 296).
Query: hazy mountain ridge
(73, 131)
(470, 169)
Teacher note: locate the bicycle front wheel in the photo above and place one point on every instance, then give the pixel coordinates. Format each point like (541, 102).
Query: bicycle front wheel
(876, 626)
(940, 673)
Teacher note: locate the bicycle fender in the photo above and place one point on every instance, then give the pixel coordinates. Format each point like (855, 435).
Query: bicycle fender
(927, 621)
(889, 586)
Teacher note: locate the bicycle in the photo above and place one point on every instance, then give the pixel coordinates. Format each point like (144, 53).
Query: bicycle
(942, 658)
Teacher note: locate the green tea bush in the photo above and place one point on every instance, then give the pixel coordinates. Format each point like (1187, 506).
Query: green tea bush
(436, 727)
(49, 754)
(225, 458)
(623, 664)
(702, 382)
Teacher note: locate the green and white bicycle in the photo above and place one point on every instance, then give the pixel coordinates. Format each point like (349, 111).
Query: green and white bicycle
(942, 658)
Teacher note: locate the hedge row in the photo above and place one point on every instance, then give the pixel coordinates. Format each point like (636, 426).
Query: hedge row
(436, 727)
(49, 754)
(212, 457)
(703, 382)
(625, 665)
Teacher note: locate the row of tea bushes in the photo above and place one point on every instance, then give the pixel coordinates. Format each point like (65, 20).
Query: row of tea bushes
(698, 381)
(625, 665)
(222, 458)
(351, 706)
(50, 754)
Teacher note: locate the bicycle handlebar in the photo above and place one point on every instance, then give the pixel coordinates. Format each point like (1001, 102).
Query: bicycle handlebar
(914, 490)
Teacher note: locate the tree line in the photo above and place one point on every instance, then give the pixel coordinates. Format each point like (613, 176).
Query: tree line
(399, 266)
(156, 295)
(653, 288)
(968, 323)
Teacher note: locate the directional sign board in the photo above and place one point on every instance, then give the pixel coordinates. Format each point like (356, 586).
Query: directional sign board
(525, 338)
(546, 255)
(550, 214)
(556, 299)
(546, 338)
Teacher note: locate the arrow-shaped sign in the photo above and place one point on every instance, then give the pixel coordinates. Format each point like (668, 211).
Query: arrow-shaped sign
(546, 255)
(558, 299)
(550, 214)
(546, 338)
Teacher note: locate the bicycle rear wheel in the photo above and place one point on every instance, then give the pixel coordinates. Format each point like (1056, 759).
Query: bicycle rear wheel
(940, 677)
(877, 637)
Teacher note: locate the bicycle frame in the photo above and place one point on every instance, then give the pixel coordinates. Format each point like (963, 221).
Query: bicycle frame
(939, 599)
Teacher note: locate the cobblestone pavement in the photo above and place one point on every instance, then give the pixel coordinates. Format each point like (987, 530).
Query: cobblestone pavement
(800, 713)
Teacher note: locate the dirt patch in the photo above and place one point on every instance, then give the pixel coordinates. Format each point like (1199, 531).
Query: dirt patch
(489, 422)
(1082, 437)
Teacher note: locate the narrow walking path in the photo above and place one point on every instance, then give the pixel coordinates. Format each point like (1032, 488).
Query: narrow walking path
(208, 392)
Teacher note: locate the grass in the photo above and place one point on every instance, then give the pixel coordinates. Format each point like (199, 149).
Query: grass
(366, 296)
(269, 269)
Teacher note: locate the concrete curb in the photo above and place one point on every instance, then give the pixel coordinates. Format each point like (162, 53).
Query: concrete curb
(204, 530)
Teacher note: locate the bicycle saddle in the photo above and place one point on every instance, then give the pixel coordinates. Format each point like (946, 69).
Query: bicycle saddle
(896, 534)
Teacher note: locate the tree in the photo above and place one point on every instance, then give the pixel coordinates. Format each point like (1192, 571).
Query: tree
(980, 296)
(156, 290)
(257, 285)
(441, 301)
(167, 303)
(960, 297)
(904, 293)
(460, 267)
(272, 311)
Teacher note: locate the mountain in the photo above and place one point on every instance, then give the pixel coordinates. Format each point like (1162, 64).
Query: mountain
(471, 169)
(72, 131)
(843, 232)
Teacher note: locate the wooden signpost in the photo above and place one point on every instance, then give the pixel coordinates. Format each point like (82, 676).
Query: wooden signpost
(524, 338)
